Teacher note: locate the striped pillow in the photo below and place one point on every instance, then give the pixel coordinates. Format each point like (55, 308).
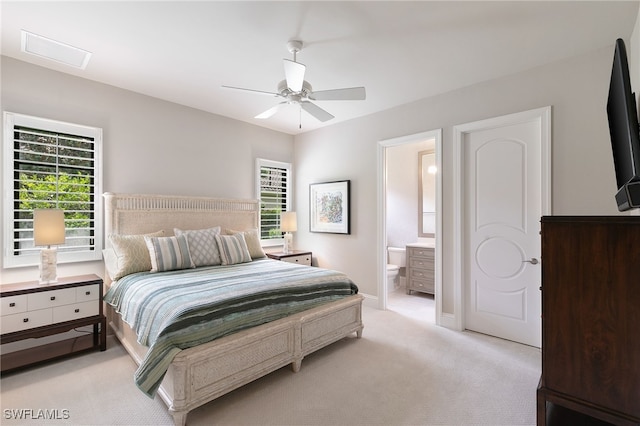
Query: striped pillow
(169, 253)
(233, 249)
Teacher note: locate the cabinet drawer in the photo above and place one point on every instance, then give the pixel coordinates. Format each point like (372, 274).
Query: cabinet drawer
(421, 274)
(75, 311)
(49, 299)
(420, 252)
(421, 263)
(303, 259)
(87, 292)
(26, 320)
(13, 304)
(422, 285)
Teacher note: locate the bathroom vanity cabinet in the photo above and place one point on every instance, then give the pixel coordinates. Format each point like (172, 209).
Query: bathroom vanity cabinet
(420, 268)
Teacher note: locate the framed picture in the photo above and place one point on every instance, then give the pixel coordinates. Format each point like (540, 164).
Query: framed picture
(329, 207)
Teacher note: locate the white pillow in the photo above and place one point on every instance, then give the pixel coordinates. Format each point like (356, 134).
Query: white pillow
(252, 238)
(131, 253)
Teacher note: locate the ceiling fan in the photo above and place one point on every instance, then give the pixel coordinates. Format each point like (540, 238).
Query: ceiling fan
(296, 90)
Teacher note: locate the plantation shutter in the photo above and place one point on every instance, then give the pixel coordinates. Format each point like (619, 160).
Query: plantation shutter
(274, 194)
(54, 165)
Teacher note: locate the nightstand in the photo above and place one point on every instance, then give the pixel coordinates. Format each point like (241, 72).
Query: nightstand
(294, 256)
(31, 310)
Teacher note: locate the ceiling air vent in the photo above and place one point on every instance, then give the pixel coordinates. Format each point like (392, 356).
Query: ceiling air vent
(54, 50)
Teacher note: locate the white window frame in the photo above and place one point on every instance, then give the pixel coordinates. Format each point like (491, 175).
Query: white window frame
(260, 163)
(11, 120)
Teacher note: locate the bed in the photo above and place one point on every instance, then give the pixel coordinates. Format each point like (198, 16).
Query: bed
(199, 374)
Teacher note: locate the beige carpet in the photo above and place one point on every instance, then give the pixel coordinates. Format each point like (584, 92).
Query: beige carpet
(404, 371)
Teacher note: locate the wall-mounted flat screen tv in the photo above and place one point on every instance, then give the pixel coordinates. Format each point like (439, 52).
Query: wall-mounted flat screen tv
(625, 131)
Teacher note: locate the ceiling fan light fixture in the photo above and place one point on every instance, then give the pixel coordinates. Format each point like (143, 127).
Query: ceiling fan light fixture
(53, 50)
(294, 89)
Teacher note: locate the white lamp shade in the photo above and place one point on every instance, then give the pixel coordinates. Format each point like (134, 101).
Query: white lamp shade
(48, 227)
(288, 222)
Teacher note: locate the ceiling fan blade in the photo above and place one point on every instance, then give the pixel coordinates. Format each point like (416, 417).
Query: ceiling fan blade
(294, 74)
(316, 111)
(260, 92)
(268, 113)
(349, 94)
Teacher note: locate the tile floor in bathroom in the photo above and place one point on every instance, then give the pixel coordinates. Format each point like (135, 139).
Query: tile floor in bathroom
(417, 305)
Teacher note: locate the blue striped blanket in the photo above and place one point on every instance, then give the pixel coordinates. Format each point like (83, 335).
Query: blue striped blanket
(176, 310)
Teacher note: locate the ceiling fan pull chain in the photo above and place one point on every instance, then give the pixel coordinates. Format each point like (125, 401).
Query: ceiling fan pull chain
(300, 116)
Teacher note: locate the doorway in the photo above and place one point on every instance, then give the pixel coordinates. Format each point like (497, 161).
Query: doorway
(383, 208)
(503, 176)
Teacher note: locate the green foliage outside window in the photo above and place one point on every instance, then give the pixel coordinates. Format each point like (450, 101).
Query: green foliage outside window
(72, 194)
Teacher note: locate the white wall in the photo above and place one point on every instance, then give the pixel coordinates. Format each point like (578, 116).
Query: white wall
(150, 146)
(402, 194)
(583, 177)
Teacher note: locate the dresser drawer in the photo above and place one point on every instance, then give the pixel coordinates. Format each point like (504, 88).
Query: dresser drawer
(88, 292)
(75, 311)
(26, 320)
(49, 299)
(304, 259)
(13, 304)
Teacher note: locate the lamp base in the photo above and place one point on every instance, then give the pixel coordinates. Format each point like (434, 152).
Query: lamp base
(288, 243)
(48, 266)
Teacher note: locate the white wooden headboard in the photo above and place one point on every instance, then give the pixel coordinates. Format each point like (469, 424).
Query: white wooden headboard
(143, 213)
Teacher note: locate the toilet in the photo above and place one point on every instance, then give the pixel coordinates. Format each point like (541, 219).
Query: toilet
(396, 259)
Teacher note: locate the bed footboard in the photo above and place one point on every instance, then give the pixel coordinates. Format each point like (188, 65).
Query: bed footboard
(201, 374)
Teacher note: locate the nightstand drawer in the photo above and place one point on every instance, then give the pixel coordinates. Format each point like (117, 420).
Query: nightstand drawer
(26, 320)
(49, 299)
(13, 304)
(88, 292)
(75, 311)
(304, 259)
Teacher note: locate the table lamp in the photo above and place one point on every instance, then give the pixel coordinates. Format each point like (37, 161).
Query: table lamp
(48, 230)
(288, 224)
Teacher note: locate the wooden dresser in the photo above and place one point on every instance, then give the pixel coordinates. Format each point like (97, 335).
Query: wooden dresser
(591, 318)
(420, 268)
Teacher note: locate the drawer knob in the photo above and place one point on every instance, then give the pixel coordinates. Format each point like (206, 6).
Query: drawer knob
(12, 304)
(53, 298)
(77, 310)
(87, 293)
(25, 320)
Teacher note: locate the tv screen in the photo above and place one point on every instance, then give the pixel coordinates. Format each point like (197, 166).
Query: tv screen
(625, 131)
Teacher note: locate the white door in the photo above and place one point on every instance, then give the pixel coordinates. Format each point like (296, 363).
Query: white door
(502, 168)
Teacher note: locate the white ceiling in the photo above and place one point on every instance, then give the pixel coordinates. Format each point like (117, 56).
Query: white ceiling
(400, 51)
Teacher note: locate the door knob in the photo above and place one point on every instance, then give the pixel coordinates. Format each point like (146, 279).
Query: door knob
(532, 261)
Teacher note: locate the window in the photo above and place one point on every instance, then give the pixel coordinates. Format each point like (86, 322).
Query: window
(274, 187)
(51, 164)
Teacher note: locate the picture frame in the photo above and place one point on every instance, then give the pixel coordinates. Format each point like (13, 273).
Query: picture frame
(329, 207)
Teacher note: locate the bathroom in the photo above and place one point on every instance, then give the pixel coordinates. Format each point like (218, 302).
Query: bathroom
(411, 223)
